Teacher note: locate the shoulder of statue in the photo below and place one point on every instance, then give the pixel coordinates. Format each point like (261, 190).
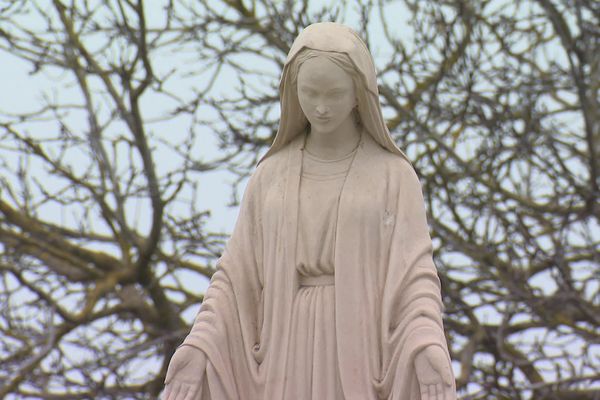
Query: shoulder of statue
(383, 159)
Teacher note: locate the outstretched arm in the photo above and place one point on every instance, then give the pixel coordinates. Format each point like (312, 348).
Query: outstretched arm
(416, 315)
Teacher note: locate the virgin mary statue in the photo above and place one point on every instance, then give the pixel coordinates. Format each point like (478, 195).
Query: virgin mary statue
(327, 287)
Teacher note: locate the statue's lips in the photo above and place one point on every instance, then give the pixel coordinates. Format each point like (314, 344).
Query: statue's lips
(323, 119)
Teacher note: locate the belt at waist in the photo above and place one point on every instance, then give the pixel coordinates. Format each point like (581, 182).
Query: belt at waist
(319, 280)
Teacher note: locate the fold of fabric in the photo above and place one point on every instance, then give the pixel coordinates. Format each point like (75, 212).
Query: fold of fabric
(387, 293)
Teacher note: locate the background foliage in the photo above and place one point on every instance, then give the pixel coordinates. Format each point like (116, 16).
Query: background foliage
(103, 242)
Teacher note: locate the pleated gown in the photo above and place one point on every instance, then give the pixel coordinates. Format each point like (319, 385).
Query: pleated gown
(313, 363)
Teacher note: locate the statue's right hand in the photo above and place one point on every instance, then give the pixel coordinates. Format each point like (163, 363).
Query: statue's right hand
(185, 374)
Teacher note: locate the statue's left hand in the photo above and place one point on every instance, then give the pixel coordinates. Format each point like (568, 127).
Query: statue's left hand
(434, 374)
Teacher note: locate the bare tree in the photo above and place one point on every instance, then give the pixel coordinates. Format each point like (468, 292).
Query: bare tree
(92, 228)
(495, 101)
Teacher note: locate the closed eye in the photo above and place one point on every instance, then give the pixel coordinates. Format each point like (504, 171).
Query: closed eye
(337, 93)
(308, 91)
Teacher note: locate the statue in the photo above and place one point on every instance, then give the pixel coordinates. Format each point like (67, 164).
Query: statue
(327, 287)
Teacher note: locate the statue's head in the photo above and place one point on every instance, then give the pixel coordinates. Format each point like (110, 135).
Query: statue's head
(339, 49)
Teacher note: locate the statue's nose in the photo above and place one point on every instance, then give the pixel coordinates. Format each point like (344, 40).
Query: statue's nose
(321, 109)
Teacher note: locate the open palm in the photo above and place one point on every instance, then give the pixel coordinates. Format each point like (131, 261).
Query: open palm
(434, 374)
(185, 374)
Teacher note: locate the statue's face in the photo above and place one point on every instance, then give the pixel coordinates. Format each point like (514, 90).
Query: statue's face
(326, 94)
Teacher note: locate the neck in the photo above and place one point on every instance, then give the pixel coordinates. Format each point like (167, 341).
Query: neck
(335, 144)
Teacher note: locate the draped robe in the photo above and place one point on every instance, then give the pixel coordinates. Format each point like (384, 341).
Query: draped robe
(387, 292)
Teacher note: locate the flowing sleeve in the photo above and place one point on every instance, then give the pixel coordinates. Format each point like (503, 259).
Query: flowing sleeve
(227, 327)
(412, 305)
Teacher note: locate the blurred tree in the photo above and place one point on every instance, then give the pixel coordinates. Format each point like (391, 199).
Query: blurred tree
(102, 243)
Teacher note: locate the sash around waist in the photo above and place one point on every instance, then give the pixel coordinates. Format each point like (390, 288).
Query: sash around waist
(317, 280)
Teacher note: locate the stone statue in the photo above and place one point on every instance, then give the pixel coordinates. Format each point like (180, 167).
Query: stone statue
(327, 287)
